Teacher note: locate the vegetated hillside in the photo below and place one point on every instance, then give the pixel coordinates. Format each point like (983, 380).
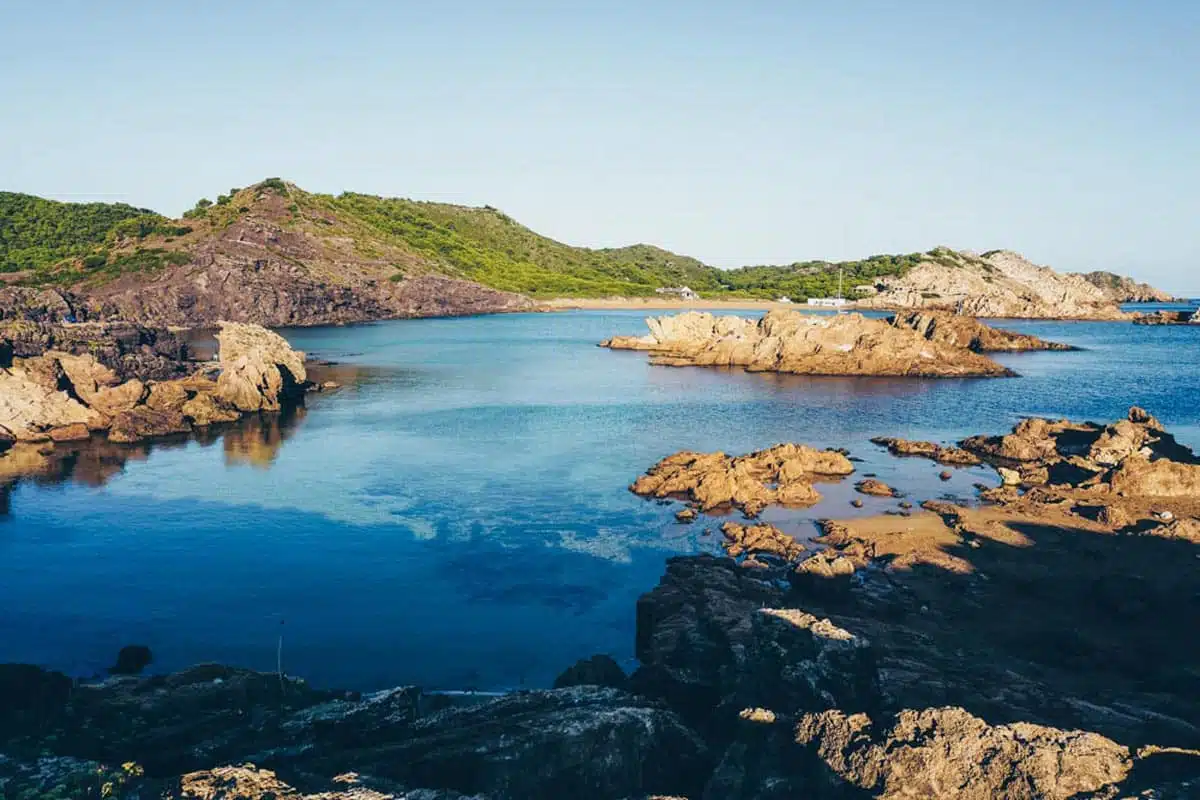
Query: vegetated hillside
(392, 238)
(36, 234)
(816, 278)
(276, 254)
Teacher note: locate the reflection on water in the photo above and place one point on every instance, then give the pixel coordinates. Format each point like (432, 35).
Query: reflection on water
(256, 440)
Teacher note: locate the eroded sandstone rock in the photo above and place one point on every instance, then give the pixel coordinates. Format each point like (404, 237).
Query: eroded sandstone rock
(782, 474)
(259, 370)
(805, 344)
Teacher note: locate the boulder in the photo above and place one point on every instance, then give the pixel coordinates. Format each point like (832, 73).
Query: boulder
(207, 409)
(259, 370)
(949, 754)
(145, 423)
(753, 540)
(34, 400)
(875, 488)
(167, 396)
(115, 400)
(599, 670)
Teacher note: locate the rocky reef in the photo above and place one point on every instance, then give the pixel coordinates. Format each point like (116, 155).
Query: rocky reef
(805, 344)
(65, 383)
(970, 333)
(996, 284)
(783, 474)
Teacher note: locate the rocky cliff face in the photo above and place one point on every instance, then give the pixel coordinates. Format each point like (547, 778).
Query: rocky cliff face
(805, 344)
(997, 284)
(1120, 289)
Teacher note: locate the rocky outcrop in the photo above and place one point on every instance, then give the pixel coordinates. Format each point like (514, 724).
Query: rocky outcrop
(59, 397)
(1169, 318)
(804, 344)
(970, 333)
(782, 474)
(756, 540)
(186, 732)
(997, 284)
(1119, 289)
(259, 369)
(955, 456)
(130, 350)
(949, 754)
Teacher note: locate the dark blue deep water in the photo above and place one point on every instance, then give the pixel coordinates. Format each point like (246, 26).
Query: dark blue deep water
(457, 515)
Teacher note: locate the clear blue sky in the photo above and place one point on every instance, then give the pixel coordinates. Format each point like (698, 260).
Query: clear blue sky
(737, 132)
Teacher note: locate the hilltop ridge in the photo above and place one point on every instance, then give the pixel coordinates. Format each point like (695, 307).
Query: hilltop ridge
(275, 254)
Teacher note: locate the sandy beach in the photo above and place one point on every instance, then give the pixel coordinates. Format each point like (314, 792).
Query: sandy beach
(661, 304)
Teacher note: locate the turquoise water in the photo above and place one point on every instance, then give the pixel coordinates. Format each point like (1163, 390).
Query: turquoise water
(457, 515)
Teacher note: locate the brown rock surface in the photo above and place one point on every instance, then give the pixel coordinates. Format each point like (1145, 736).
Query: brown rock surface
(949, 754)
(968, 332)
(875, 488)
(743, 540)
(61, 397)
(804, 344)
(259, 369)
(781, 474)
(146, 423)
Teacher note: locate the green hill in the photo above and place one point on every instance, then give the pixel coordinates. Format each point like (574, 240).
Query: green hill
(36, 234)
(91, 244)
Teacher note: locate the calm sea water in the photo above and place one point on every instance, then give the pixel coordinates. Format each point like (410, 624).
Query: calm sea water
(457, 515)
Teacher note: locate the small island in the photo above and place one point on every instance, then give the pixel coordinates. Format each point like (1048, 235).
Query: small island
(921, 345)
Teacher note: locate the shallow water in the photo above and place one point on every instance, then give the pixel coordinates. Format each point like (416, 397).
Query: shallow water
(457, 515)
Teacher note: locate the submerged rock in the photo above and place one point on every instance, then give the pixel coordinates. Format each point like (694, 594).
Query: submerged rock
(805, 344)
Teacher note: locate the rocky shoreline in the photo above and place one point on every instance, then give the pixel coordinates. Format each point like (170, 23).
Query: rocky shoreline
(1040, 645)
(914, 345)
(64, 383)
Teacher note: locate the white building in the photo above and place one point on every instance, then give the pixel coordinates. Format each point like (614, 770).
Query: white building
(682, 292)
(827, 302)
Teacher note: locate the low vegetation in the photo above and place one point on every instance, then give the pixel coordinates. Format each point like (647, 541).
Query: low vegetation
(64, 243)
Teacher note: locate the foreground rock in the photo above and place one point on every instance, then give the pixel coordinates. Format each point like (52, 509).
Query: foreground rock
(968, 332)
(805, 344)
(949, 754)
(997, 284)
(59, 397)
(193, 730)
(782, 474)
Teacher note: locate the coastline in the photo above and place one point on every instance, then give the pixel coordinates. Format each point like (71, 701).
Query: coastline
(659, 304)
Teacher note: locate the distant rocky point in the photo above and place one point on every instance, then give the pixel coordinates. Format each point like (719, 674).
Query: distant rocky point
(999, 283)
